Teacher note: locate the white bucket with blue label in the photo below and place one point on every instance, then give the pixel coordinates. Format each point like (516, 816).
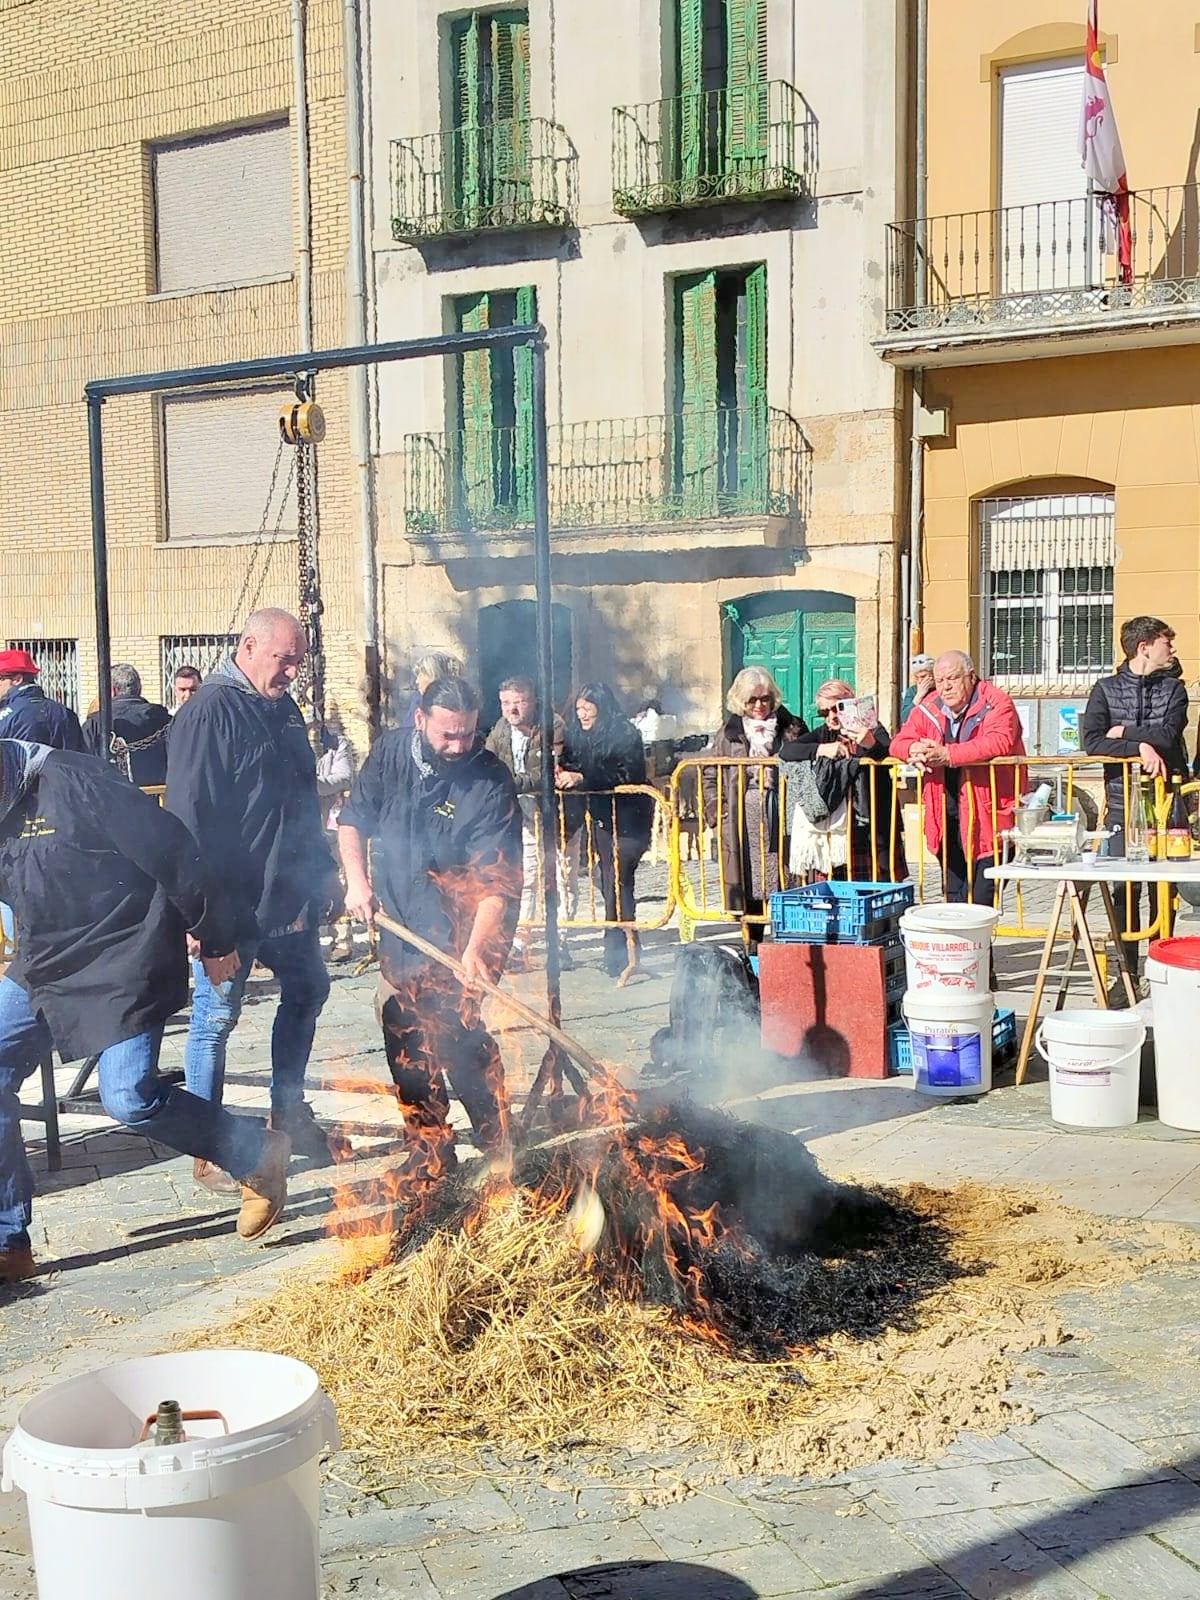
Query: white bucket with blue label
(951, 1038)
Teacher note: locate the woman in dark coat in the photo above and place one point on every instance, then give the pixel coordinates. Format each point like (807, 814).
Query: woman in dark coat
(742, 803)
(601, 751)
(857, 836)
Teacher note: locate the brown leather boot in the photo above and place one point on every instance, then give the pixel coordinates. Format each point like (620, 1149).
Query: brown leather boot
(211, 1177)
(17, 1264)
(264, 1193)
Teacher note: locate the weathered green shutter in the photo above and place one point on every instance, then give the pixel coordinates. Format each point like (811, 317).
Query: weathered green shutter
(510, 155)
(753, 441)
(689, 155)
(464, 138)
(695, 446)
(523, 395)
(475, 445)
(746, 114)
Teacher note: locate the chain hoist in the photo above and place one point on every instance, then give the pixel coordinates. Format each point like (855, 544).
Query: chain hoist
(302, 424)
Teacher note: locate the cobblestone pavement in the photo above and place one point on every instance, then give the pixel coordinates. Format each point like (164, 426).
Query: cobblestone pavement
(1100, 1495)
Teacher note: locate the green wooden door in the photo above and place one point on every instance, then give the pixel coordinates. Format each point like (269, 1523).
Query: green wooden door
(696, 447)
(827, 650)
(746, 112)
(800, 649)
(492, 450)
(774, 643)
(489, 158)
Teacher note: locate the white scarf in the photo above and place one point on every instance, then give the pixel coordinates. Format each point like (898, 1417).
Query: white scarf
(760, 734)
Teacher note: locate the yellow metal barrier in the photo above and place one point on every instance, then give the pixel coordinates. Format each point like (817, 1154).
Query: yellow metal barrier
(594, 844)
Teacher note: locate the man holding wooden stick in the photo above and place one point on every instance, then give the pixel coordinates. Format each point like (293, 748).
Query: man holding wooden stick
(447, 865)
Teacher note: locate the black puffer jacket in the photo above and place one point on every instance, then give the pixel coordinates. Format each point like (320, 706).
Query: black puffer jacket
(1152, 709)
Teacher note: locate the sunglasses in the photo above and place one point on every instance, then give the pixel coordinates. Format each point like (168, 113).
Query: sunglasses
(760, 699)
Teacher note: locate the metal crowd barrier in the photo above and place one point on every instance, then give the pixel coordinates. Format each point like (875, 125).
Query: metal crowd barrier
(589, 825)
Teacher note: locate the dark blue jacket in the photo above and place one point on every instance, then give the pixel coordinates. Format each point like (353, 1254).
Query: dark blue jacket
(27, 713)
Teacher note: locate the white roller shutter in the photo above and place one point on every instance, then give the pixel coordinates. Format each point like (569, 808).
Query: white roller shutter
(219, 456)
(223, 208)
(1042, 187)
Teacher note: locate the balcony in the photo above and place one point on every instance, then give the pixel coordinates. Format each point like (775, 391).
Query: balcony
(746, 471)
(1042, 279)
(751, 143)
(502, 175)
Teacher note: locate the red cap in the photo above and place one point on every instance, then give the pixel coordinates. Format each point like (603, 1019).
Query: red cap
(16, 661)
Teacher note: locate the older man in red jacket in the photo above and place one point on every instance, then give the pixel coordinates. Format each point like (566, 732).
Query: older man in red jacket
(952, 735)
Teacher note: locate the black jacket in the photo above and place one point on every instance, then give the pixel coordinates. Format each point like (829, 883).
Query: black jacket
(449, 834)
(609, 755)
(135, 720)
(241, 776)
(1153, 710)
(104, 884)
(27, 713)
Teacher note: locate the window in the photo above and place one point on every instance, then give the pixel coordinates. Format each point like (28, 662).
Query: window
(1047, 574)
(1044, 239)
(225, 477)
(223, 208)
(721, 116)
(493, 414)
(720, 415)
(201, 650)
(58, 667)
(490, 171)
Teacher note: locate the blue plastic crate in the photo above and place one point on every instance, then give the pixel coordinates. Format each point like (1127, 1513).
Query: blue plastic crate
(832, 913)
(1004, 1042)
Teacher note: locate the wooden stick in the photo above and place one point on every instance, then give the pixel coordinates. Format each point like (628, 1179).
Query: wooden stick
(543, 1024)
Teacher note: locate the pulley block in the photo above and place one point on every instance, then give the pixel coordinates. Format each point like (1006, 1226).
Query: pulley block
(302, 422)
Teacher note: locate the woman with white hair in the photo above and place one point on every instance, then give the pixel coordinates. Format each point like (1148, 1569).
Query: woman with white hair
(742, 803)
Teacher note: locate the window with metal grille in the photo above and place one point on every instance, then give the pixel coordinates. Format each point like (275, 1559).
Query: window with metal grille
(201, 650)
(58, 667)
(1046, 566)
(223, 208)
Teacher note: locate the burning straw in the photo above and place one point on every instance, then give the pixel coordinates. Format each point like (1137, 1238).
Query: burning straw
(852, 1325)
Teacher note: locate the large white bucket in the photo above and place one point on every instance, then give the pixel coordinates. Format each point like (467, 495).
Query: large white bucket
(1095, 1060)
(947, 949)
(951, 1040)
(223, 1516)
(1173, 973)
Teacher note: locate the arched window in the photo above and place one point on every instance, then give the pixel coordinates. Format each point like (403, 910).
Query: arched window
(1046, 590)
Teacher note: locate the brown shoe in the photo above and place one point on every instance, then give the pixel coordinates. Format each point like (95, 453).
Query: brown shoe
(264, 1193)
(211, 1177)
(17, 1264)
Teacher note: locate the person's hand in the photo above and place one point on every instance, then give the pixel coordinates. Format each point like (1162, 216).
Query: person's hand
(219, 969)
(832, 752)
(361, 902)
(474, 966)
(1153, 764)
(1116, 733)
(568, 780)
(856, 731)
(193, 947)
(934, 754)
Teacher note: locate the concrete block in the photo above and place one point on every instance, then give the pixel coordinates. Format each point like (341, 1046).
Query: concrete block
(1092, 1454)
(992, 1560)
(491, 1566)
(390, 1577)
(699, 1526)
(841, 1542)
(943, 1490)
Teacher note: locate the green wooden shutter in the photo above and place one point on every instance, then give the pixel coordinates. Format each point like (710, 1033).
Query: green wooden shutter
(687, 128)
(523, 387)
(473, 453)
(746, 115)
(696, 444)
(464, 163)
(753, 440)
(510, 149)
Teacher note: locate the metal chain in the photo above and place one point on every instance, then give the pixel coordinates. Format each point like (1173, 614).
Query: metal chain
(239, 615)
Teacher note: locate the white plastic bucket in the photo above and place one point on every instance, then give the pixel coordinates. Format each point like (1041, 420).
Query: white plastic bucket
(1175, 1005)
(223, 1516)
(951, 1040)
(947, 949)
(1095, 1060)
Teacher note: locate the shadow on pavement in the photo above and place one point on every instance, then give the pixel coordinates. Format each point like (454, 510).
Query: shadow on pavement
(637, 1580)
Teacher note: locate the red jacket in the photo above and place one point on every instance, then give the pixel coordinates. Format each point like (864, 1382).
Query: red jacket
(990, 727)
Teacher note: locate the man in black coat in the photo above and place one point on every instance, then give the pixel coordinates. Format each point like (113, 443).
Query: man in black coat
(1140, 712)
(448, 866)
(140, 729)
(241, 776)
(105, 885)
(27, 712)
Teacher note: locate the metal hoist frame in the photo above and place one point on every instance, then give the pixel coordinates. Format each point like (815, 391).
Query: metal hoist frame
(302, 425)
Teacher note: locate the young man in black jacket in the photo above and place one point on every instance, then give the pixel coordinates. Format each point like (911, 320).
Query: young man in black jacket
(242, 777)
(105, 884)
(445, 812)
(1140, 713)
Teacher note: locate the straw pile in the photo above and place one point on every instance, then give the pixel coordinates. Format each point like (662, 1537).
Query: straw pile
(505, 1338)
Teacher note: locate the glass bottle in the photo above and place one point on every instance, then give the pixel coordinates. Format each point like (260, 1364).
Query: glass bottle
(1179, 835)
(1139, 824)
(168, 1423)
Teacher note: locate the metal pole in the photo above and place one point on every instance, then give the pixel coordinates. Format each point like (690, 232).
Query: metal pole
(100, 569)
(916, 466)
(545, 657)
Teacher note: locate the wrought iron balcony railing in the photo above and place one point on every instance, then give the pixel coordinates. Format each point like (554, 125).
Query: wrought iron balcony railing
(1043, 265)
(515, 173)
(752, 143)
(627, 472)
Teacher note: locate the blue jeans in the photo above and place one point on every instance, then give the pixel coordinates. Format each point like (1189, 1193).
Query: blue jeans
(296, 961)
(131, 1091)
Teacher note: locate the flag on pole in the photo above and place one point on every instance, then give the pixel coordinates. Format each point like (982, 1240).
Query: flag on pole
(1100, 146)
